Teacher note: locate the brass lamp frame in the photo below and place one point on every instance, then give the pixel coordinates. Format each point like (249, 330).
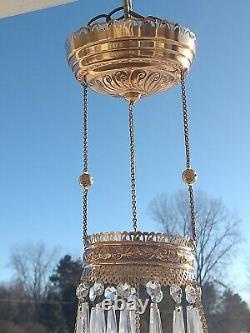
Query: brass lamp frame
(133, 57)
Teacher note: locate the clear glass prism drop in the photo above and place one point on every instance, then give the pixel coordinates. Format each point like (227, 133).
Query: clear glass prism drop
(155, 325)
(82, 323)
(92, 320)
(124, 290)
(85, 317)
(111, 321)
(176, 293)
(132, 321)
(82, 290)
(132, 295)
(178, 321)
(157, 298)
(153, 288)
(96, 290)
(124, 321)
(159, 320)
(79, 323)
(194, 324)
(100, 325)
(110, 293)
(191, 294)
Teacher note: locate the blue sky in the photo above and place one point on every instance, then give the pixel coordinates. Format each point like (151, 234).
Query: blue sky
(40, 128)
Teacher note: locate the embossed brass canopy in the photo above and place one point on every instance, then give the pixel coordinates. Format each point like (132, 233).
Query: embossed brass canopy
(131, 57)
(133, 257)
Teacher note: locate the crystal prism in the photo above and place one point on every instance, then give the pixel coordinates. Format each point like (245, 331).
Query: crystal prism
(153, 288)
(111, 321)
(96, 290)
(157, 298)
(82, 323)
(82, 291)
(154, 291)
(92, 320)
(159, 321)
(194, 324)
(178, 321)
(191, 294)
(124, 290)
(133, 295)
(110, 293)
(132, 321)
(155, 325)
(176, 293)
(100, 325)
(124, 321)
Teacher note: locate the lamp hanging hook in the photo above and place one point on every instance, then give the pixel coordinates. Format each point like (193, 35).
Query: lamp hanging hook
(127, 7)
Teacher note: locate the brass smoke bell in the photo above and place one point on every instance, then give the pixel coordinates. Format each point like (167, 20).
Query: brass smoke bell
(131, 57)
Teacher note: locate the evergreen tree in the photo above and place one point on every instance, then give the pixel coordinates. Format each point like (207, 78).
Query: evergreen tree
(64, 281)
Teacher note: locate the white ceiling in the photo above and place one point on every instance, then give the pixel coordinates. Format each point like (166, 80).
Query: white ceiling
(15, 7)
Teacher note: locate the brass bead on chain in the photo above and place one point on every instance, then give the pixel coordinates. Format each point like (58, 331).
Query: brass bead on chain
(86, 180)
(189, 175)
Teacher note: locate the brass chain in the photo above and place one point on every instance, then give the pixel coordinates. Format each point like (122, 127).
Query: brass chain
(187, 153)
(138, 322)
(85, 163)
(137, 314)
(185, 121)
(132, 166)
(85, 128)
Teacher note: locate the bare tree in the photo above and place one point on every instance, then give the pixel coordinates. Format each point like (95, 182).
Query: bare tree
(33, 265)
(217, 229)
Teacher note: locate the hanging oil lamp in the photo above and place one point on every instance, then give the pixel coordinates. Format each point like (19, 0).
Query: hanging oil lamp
(132, 57)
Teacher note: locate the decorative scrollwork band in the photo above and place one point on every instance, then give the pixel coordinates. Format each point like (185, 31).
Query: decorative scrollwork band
(139, 256)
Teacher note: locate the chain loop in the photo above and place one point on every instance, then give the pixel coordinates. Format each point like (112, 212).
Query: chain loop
(85, 163)
(132, 166)
(188, 154)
